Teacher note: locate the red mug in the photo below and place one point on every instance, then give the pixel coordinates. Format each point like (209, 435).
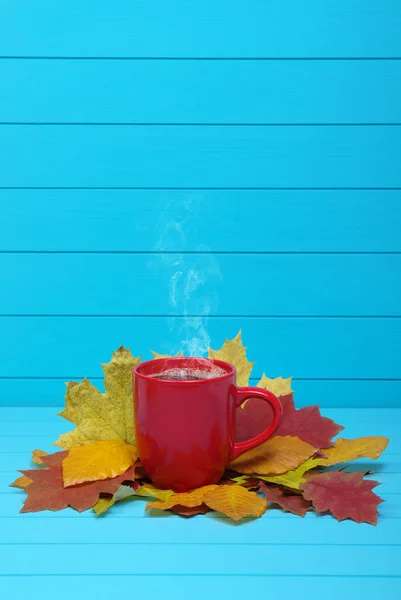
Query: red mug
(185, 429)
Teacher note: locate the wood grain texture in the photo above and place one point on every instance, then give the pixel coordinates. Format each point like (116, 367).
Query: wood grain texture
(259, 28)
(201, 220)
(200, 91)
(200, 156)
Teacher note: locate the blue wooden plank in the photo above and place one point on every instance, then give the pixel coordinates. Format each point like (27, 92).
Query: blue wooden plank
(190, 220)
(303, 347)
(224, 28)
(341, 393)
(261, 532)
(200, 156)
(293, 91)
(196, 559)
(199, 587)
(144, 284)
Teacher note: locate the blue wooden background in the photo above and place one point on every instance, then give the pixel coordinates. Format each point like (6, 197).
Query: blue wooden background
(171, 172)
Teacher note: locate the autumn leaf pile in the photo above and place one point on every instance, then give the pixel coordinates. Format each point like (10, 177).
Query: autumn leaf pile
(299, 469)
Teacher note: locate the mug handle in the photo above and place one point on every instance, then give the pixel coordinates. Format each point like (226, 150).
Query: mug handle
(244, 393)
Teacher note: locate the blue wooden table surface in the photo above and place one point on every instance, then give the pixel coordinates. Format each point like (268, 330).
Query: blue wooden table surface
(249, 151)
(129, 551)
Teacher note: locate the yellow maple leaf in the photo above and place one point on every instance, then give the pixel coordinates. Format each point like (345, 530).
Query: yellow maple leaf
(275, 456)
(101, 460)
(157, 355)
(235, 501)
(36, 456)
(278, 386)
(343, 451)
(188, 499)
(234, 352)
(97, 416)
(150, 490)
(21, 482)
(346, 450)
(103, 504)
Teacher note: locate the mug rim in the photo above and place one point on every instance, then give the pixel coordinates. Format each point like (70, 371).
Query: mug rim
(180, 359)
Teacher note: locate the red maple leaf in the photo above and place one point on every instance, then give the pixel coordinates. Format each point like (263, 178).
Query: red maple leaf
(292, 503)
(307, 423)
(345, 495)
(47, 491)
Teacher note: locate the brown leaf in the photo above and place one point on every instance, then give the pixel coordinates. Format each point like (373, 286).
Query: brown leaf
(47, 492)
(235, 501)
(345, 495)
(185, 511)
(293, 503)
(277, 455)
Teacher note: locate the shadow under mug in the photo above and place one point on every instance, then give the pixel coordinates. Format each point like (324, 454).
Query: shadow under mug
(185, 430)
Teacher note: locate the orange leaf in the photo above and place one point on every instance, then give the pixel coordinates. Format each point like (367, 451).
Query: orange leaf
(101, 460)
(36, 456)
(188, 499)
(47, 491)
(21, 482)
(235, 501)
(277, 455)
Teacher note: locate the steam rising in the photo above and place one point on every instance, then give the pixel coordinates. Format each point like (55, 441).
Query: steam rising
(189, 277)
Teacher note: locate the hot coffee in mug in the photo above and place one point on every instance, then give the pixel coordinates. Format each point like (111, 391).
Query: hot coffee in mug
(185, 420)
